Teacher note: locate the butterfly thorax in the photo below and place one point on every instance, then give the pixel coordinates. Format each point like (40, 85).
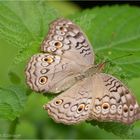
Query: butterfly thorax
(93, 70)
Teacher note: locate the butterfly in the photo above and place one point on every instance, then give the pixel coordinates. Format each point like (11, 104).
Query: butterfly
(66, 66)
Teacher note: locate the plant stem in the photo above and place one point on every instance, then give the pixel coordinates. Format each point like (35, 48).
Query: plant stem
(12, 128)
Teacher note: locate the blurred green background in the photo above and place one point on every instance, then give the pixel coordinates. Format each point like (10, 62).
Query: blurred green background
(113, 31)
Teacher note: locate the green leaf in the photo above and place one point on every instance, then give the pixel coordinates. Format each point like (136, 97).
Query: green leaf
(12, 102)
(118, 129)
(14, 78)
(114, 31)
(22, 27)
(24, 23)
(66, 6)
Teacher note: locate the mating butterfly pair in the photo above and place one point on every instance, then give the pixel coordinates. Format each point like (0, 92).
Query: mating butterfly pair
(67, 64)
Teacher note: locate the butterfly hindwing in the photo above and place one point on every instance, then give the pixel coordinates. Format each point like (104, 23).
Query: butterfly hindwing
(73, 106)
(113, 101)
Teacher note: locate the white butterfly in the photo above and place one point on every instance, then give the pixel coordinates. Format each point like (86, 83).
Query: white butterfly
(67, 64)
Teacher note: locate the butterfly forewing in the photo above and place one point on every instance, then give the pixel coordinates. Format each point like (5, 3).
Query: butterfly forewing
(67, 53)
(67, 39)
(47, 72)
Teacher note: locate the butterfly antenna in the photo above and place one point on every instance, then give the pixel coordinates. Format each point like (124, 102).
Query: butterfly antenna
(102, 65)
(100, 57)
(118, 58)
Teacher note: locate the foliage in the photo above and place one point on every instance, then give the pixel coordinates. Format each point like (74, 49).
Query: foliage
(113, 32)
(12, 101)
(118, 129)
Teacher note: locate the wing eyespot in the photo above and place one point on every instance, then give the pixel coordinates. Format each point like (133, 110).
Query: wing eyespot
(80, 108)
(58, 44)
(98, 107)
(105, 106)
(125, 109)
(65, 24)
(73, 108)
(59, 32)
(67, 105)
(119, 109)
(131, 109)
(87, 107)
(48, 59)
(62, 28)
(126, 92)
(44, 70)
(113, 107)
(43, 80)
(58, 102)
(45, 59)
